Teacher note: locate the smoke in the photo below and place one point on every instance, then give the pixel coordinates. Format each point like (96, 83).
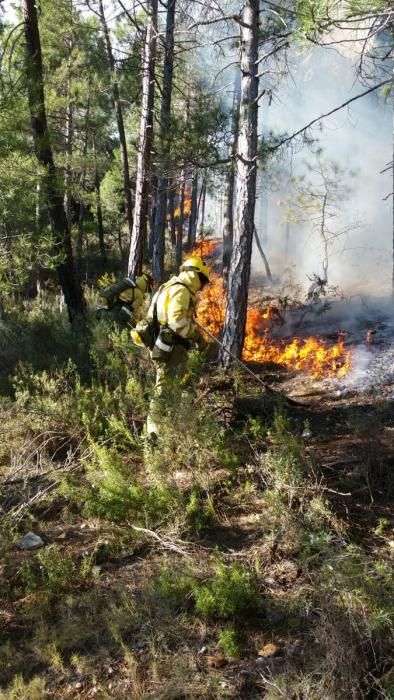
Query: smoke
(359, 139)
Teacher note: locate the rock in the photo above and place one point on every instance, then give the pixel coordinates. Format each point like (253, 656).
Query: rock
(216, 661)
(31, 541)
(269, 650)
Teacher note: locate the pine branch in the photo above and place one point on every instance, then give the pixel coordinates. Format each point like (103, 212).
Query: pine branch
(327, 114)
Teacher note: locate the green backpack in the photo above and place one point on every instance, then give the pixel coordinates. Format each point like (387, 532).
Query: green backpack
(109, 299)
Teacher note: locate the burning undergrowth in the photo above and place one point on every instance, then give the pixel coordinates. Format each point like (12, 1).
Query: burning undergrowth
(314, 355)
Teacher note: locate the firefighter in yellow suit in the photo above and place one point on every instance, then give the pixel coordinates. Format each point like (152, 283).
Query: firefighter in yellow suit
(123, 301)
(174, 306)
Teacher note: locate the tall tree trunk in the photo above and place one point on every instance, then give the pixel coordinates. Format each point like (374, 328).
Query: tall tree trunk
(39, 222)
(69, 141)
(203, 201)
(238, 282)
(119, 118)
(145, 144)
(99, 211)
(69, 282)
(153, 205)
(192, 227)
(181, 220)
(228, 228)
(81, 214)
(171, 216)
(164, 137)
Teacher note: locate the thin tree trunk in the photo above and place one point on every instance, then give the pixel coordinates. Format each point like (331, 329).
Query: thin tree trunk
(228, 228)
(145, 145)
(263, 255)
(153, 206)
(69, 282)
(37, 233)
(82, 182)
(119, 118)
(171, 216)
(99, 211)
(69, 140)
(192, 227)
(238, 282)
(203, 200)
(181, 221)
(164, 138)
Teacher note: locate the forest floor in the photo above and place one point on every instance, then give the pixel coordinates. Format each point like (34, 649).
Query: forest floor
(249, 555)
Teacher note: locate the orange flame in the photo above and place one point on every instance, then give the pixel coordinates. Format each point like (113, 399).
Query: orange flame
(312, 355)
(187, 205)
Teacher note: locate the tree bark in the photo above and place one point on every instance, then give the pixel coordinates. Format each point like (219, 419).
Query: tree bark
(119, 118)
(99, 211)
(81, 214)
(203, 200)
(69, 141)
(69, 282)
(228, 228)
(181, 221)
(192, 227)
(171, 216)
(153, 205)
(238, 282)
(138, 237)
(164, 137)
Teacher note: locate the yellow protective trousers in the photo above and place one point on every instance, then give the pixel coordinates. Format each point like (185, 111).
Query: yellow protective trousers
(173, 369)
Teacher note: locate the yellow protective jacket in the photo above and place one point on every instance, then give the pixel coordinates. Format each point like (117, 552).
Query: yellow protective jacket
(135, 296)
(175, 303)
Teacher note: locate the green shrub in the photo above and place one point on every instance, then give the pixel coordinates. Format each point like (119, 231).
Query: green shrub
(229, 641)
(173, 587)
(53, 571)
(115, 493)
(364, 588)
(189, 438)
(231, 592)
(282, 467)
(199, 512)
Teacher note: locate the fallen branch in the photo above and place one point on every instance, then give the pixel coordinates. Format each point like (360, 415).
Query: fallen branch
(165, 542)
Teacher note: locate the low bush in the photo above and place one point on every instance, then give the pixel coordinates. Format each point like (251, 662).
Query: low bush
(232, 592)
(114, 492)
(229, 642)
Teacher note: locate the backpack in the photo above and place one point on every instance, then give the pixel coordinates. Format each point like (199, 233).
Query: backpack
(146, 331)
(109, 297)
